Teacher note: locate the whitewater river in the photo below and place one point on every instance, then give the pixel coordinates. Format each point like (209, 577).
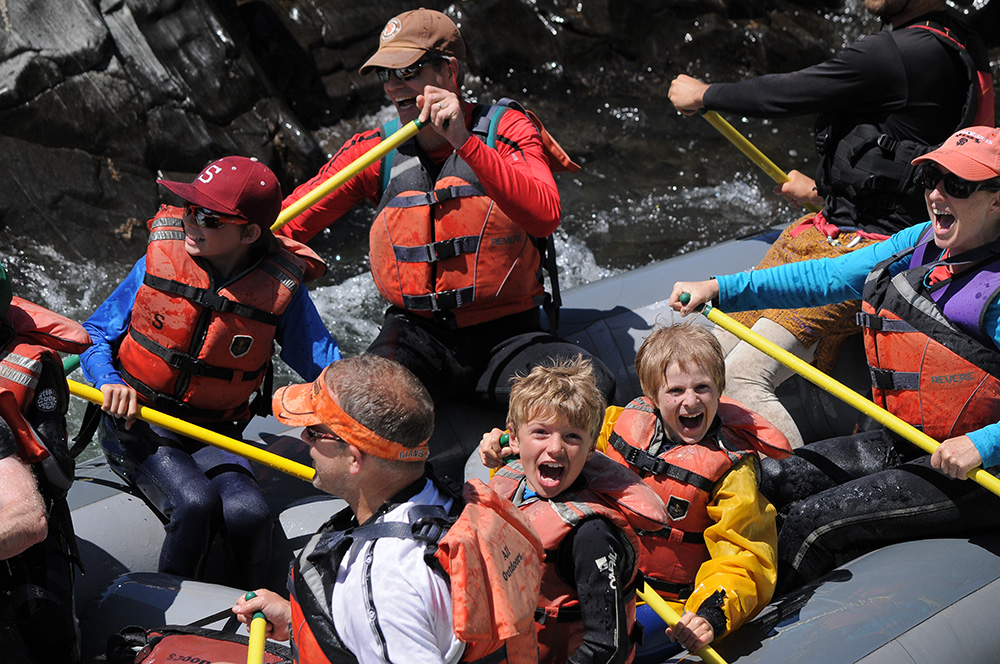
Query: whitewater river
(654, 184)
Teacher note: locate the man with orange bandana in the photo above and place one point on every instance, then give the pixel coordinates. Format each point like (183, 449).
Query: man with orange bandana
(367, 588)
(464, 212)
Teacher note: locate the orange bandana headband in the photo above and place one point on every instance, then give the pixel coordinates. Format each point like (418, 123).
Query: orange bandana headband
(307, 404)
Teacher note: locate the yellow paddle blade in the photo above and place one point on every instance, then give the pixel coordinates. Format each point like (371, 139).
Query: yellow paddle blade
(744, 145)
(176, 425)
(842, 392)
(335, 181)
(665, 611)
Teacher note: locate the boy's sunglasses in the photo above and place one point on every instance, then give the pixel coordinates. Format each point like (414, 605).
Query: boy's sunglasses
(404, 73)
(929, 177)
(206, 218)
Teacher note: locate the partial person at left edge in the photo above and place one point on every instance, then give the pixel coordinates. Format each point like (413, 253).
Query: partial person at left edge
(191, 332)
(37, 545)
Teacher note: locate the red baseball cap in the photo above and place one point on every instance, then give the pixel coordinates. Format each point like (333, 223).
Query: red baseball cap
(407, 37)
(972, 154)
(237, 186)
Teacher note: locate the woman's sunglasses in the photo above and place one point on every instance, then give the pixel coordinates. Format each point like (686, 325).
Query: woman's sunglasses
(929, 177)
(405, 73)
(206, 218)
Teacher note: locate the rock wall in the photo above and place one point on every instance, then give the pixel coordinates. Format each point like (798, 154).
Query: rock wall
(98, 98)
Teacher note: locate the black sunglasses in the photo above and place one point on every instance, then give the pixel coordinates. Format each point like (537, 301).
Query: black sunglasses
(206, 218)
(929, 177)
(315, 435)
(405, 73)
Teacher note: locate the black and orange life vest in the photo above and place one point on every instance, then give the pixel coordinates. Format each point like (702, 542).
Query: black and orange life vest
(609, 491)
(486, 549)
(198, 350)
(440, 243)
(684, 476)
(932, 363)
(38, 337)
(868, 173)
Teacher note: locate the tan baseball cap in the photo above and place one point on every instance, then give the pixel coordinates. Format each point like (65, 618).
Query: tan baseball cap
(408, 37)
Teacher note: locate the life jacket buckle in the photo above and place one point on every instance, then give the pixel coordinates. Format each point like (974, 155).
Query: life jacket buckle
(887, 143)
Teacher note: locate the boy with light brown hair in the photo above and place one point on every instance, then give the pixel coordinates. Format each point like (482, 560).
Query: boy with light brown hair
(585, 508)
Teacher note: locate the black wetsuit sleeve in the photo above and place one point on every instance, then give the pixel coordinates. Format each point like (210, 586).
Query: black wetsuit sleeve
(867, 75)
(595, 559)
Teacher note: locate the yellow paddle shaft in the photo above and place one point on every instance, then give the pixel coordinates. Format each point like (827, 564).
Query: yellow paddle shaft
(176, 425)
(258, 635)
(841, 391)
(744, 145)
(665, 611)
(343, 175)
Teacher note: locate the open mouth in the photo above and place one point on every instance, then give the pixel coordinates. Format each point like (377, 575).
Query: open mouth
(549, 474)
(943, 221)
(405, 103)
(691, 422)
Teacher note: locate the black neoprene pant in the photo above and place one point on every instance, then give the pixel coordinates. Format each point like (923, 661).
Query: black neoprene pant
(865, 495)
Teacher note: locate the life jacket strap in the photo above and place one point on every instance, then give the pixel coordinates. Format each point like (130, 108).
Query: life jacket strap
(440, 301)
(646, 462)
(437, 251)
(884, 379)
(879, 324)
(210, 300)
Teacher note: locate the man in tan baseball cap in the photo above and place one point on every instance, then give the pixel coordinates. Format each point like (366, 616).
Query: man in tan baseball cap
(411, 35)
(465, 213)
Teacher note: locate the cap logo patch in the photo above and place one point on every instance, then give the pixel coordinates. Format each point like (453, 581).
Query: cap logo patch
(240, 345)
(391, 29)
(677, 508)
(209, 173)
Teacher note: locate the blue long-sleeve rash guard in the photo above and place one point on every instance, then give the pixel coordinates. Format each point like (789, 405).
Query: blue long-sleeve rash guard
(828, 280)
(306, 344)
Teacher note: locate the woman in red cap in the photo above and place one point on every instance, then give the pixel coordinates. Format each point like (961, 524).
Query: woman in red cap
(191, 332)
(931, 320)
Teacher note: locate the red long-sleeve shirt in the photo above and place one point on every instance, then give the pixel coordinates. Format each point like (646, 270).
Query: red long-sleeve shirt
(515, 174)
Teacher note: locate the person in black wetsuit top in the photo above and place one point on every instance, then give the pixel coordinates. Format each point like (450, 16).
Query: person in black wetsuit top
(881, 102)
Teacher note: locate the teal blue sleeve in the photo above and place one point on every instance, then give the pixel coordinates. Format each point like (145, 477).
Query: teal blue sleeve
(814, 282)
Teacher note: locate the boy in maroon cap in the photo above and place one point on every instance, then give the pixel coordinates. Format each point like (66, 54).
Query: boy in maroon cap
(191, 332)
(464, 215)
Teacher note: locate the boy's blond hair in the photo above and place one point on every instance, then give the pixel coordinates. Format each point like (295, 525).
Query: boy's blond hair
(685, 343)
(564, 387)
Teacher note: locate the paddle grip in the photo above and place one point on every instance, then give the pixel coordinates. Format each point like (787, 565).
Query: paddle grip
(259, 614)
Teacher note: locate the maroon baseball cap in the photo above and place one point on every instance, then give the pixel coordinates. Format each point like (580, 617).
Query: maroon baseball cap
(407, 37)
(236, 186)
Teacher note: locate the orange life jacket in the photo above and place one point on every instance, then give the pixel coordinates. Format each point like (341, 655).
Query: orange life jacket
(685, 476)
(489, 554)
(199, 350)
(609, 491)
(38, 337)
(441, 244)
(932, 364)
